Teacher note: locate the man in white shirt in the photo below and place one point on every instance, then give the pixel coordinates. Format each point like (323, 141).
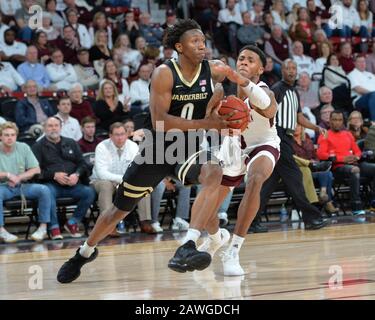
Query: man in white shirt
(112, 158)
(10, 79)
(363, 87)
(11, 50)
(62, 74)
(139, 91)
(9, 7)
(304, 63)
(70, 126)
(233, 20)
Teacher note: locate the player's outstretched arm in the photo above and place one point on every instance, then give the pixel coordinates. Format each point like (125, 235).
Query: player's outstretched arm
(160, 100)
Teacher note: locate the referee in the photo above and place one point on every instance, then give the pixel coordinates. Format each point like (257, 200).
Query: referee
(288, 115)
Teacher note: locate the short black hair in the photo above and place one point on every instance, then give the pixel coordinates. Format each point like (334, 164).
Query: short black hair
(258, 51)
(172, 35)
(337, 112)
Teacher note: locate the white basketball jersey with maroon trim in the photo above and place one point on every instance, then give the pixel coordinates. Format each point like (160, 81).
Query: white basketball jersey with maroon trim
(260, 130)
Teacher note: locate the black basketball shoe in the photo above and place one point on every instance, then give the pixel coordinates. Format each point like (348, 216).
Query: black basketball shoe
(71, 269)
(188, 258)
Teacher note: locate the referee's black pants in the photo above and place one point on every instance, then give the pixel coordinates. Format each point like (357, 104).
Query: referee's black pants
(287, 170)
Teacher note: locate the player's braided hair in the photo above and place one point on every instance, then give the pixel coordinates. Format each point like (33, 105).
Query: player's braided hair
(173, 34)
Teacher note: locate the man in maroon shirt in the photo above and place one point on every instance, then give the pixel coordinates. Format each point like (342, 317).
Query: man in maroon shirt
(88, 142)
(68, 44)
(340, 145)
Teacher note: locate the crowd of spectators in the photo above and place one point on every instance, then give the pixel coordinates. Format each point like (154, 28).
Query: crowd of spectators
(100, 62)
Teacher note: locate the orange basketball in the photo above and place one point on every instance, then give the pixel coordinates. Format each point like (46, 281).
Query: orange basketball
(233, 104)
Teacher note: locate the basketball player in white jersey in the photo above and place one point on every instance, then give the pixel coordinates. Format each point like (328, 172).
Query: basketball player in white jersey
(254, 153)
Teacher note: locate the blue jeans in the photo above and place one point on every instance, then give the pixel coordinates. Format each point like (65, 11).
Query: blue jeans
(30, 191)
(367, 102)
(345, 32)
(183, 202)
(325, 179)
(85, 194)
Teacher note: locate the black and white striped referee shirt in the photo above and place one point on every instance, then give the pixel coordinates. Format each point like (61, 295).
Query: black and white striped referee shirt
(288, 102)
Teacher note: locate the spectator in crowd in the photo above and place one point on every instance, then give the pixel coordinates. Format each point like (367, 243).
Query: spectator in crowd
(269, 76)
(129, 58)
(70, 127)
(341, 145)
(351, 22)
(10, 79)
(311, 169)
(112, 158)
(69, 44)
(56, 17)
(135, 135)
(183, 204)
(107, 107)
(170, 18)
(100, 52)
(278, 13)
(278, 47)
(85, 15)
(346, 57)
(230, 88)
(334, 74)
(325, 96)
(11, 50)
(100, 23)
(232, 20)
(139, 93)
(52, 33)
(17, 166)
(318, 38)
(268, 22)
(325, 115)
(63, 169)
(3, 26)
(167, 54)
(248, 33)
(89, 141)
(83, 34)
(130, 27)
(319, 15)
(324, 51)
(44, 50)
(308, 91)
(370, 60)
(293, 13)
(355, 126)
(153, 34)
(80, 108)
(31, 69)
(31, 110)
(22, 17)
(365, 19)
(8, 9)
(363, 87)
(110, 72)
(304, 63)
(140, 45)
(61, 74)
(85, 71)
(257, 13)
(303, 30)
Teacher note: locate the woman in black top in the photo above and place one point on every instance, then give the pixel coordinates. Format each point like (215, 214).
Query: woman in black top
(107, 106)
(100, 50)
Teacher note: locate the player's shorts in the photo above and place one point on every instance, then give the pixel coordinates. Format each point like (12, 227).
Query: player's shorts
(234, 174)
(141, 179)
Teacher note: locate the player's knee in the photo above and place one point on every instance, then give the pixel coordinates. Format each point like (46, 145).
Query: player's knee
(211, 175)
(115, 214)
(256, 179)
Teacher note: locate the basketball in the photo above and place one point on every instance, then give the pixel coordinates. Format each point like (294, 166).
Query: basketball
(231, 104)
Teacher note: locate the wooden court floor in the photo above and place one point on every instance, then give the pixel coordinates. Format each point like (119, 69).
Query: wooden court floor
(337, 262)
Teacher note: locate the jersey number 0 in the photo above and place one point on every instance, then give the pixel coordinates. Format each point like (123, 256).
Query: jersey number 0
(187, 111)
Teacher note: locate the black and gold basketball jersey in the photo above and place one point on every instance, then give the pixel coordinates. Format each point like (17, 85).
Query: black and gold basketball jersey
(190, 99)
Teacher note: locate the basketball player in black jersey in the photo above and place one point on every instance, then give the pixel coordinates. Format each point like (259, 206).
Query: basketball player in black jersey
(181, 97)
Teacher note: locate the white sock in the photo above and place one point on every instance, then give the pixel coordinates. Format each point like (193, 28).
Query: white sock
(236, 243)
(86, 251)
(43, 228)
(192, 234)
(216, 237)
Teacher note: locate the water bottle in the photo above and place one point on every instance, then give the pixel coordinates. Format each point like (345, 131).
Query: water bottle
(121, 227)
(283, 214)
